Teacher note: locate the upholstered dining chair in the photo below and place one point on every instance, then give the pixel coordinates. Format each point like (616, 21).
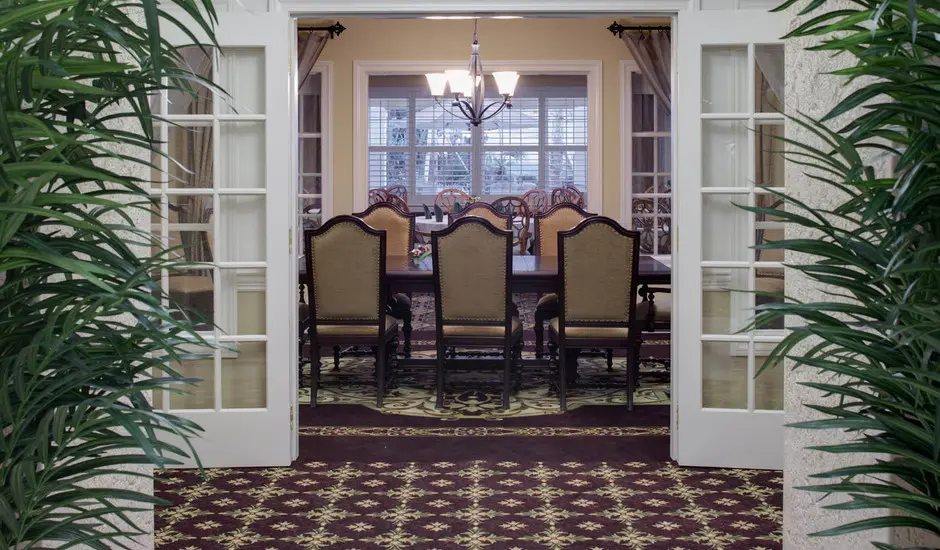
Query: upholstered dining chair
(598, 262)
(521, 217)
(447, 198)
(346, 277)
(399, 191)
(560, 217)
(472, 262)
(487, 212)
(536, 200)
(399, 226)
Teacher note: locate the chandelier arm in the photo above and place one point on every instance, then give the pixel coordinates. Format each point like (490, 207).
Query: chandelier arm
(446, 110)
(496, 112)
(499, 108)
(471, 115)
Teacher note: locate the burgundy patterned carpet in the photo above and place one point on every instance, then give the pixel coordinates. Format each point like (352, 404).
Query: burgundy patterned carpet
(594, 478)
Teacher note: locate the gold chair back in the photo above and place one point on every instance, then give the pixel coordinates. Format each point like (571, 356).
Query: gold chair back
(399, 226)
(472, 266)
(345, 270)
(560, 217)
(598, 262)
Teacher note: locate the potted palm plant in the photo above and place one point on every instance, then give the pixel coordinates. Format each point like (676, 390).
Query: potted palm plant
(877, 253)
(85, 335)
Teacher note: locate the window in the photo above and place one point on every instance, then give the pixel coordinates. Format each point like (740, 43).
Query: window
(541, 142)
(651, 176)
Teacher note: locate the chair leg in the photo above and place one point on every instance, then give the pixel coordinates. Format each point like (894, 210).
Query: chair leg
(380, 358)
(507, 375)
(562, 380)
(336, 350)
(636, 359)
(610, 360)
(441, 349)
(406, 330)
(631, 376)
(539, 334)
(314, 373)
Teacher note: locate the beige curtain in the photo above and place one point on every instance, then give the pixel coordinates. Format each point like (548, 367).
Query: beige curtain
(310, 45)
(652, 51)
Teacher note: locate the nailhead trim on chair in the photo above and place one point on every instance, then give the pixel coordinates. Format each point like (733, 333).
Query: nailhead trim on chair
(626, 314)
(313, 271)
(443, 288)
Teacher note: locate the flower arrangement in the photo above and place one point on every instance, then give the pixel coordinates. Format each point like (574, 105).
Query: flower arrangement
(473, 198)
(421, 252)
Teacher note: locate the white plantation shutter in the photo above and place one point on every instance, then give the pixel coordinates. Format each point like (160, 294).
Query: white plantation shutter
(443, 150)
(389, 142)
(541, 142)
(566, 123)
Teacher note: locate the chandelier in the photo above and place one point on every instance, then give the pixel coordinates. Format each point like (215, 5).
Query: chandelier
(467, 86)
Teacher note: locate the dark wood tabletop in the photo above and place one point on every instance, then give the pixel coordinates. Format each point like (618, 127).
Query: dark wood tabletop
(537, 274)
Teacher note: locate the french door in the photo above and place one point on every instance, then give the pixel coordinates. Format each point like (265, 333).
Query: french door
(730, 95)
(223, 196)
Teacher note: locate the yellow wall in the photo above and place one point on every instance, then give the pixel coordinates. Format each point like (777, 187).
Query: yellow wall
(430, 40)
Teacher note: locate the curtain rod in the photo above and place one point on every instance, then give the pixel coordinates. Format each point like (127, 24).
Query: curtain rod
(617, 29)
(335, 29)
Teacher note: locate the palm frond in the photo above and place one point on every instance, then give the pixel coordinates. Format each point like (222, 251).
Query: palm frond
(879, 253)
(85, 332)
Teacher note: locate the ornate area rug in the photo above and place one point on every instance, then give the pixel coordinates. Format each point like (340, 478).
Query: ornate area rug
(487, 487)
(477, 395)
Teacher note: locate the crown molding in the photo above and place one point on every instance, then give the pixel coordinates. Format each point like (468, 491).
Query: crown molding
(351, 7)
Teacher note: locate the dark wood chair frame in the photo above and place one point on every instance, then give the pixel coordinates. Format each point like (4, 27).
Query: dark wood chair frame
(396, 201)
(382, 346)
(567, 194)
(446, 198)
(399, 191)
(540, 318)
(559, 351)
(519, 209)
(539, 205)
(404, 315)
(377, 195)
(479, 205)
(512, 350)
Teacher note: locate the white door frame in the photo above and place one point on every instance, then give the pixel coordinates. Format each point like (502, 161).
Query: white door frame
(222, 444)
(736, 435)
(669, 8)
(337, 8)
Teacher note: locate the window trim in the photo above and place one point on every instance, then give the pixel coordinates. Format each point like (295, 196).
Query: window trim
(592, 69)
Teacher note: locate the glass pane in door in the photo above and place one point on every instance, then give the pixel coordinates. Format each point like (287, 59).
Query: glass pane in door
(769, 71)
(741, 147)
(217, 228)
(724, 88)
(724, 375)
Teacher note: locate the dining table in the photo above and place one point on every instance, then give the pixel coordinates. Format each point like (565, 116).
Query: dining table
(530, 275)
